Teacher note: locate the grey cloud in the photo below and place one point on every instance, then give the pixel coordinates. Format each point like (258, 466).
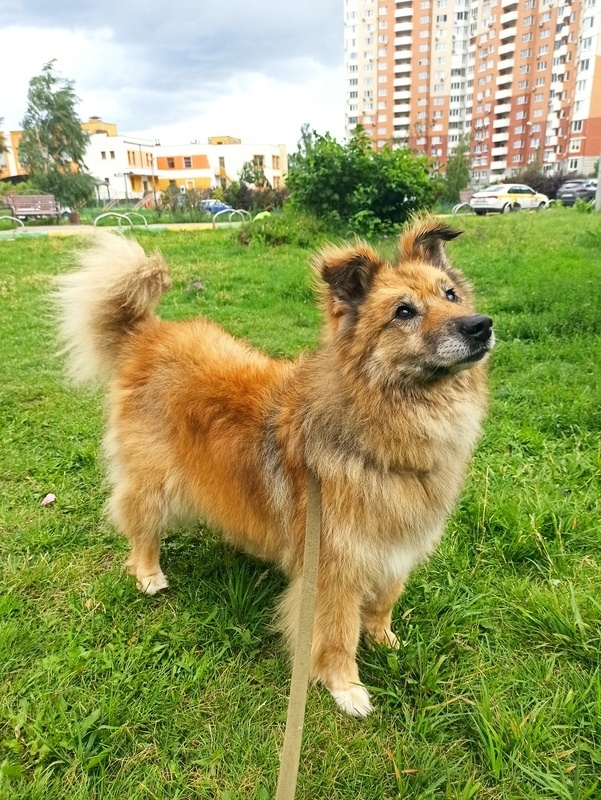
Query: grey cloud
(186, 50)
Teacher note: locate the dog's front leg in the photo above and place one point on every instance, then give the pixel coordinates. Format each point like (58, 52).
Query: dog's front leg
(377, 614)
(336, 636)
(336, 633)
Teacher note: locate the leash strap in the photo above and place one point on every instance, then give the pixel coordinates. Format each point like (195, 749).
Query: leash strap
(302, 655)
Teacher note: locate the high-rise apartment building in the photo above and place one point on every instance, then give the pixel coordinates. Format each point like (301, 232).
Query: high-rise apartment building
(522, 78)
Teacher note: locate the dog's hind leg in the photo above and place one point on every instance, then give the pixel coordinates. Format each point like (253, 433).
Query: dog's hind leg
(140, 513)
(377, 614)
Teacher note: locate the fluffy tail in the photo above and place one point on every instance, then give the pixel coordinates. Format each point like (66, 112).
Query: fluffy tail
(117, 287)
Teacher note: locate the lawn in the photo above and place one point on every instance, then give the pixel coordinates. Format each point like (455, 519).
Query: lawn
(496, 690)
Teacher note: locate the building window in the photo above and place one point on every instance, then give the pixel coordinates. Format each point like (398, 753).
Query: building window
(577, 125)
(103, 155)
(113, 154)
(171, 165)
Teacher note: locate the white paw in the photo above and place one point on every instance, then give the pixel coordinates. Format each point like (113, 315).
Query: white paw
(151, 584)
(353, 701)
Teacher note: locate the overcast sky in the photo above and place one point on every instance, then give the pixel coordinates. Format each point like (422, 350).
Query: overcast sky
(185, 69)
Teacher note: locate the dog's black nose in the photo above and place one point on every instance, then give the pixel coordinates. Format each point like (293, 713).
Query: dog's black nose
(477, 327)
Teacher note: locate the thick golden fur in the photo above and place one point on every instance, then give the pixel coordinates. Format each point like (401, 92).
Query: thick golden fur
(202, 425)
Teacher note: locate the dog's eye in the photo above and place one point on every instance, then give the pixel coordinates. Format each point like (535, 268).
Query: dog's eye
(450, 295)
(404, 312)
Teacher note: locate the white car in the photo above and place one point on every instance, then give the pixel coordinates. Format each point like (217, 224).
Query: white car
(506, 197)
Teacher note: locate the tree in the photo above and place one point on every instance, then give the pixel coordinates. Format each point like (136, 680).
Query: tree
(457, 175)
(356, 184)
(53, 144)
(253, 174)
(3, 147)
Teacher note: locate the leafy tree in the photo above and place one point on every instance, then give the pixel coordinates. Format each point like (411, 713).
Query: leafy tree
(457, 174)
(355, 184)
(53, 144)
(3, 147)
(253, 174)
(170, 198)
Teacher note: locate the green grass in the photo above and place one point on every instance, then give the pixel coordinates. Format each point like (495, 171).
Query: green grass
(496, 691)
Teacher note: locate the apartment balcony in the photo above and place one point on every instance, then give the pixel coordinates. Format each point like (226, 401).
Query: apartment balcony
(564, 31)
(405, 80)
(503, 108)
(551, 141)
(406, 11)
(561, 51)
(498, 151)
(509, 17)
(506, 5)
(506, 63)
(501, 123)
(497, 165)
(503, 136)
(406, 26)
(506, 48)
(405, 66)
(507, 33)
(560, 68)
(402, 95)
(403, 41)
(502, 94)
(501, 80)
(401, 121)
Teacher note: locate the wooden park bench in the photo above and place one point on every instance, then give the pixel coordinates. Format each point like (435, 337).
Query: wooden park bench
(33, 205)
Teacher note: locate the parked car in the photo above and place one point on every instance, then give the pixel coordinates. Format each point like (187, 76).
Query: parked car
(506, 197)
(213, 206)
(577, 189)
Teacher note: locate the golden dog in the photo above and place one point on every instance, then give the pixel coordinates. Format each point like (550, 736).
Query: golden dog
(386, 412)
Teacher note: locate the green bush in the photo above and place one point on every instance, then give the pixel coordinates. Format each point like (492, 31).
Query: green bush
(353, 184)
(283, 228)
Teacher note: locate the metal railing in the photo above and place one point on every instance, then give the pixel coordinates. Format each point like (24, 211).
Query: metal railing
(126, 217)
(231, 211)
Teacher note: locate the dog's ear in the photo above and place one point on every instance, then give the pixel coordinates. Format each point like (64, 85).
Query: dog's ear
(348, 272)
(425, 240)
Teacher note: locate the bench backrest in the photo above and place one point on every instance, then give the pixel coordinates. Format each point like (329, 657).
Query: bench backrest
(38, 204)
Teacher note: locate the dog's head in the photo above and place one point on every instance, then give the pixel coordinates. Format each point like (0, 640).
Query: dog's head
(404, 323)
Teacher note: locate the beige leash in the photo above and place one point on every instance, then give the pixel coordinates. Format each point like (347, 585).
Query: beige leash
(302, 655)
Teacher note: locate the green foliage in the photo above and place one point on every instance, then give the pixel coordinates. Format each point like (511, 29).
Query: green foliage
(287, 227)
(253, 174)
(170, 198)
(354, 184)
(584, 206)
(457, 174)
(24, 187)
(3, 147)
(192, 199)
(240, 195)
(53, 144)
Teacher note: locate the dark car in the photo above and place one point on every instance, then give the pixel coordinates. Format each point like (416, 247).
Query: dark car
(578, 189)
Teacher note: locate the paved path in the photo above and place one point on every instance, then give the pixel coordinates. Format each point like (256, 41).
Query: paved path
(86, 230)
